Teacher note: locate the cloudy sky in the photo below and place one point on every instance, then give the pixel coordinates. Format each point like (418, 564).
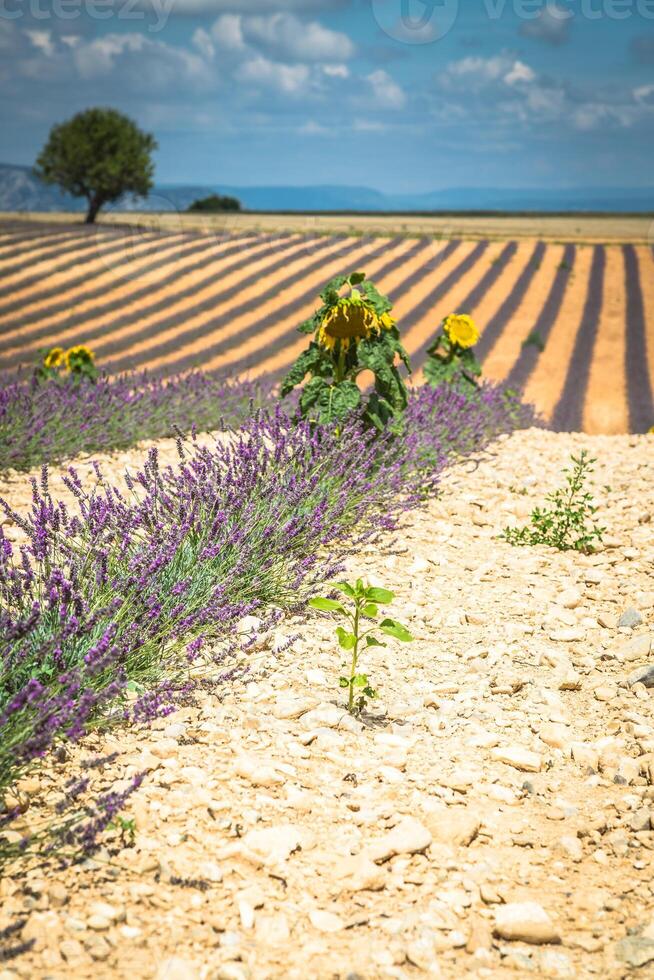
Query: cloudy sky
(401, 95)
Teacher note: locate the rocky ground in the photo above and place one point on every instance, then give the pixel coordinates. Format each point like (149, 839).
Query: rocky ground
(495, 818)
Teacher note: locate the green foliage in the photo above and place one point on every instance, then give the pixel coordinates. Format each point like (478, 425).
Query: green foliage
(568, 524)
(534, 339)
(215, 203)
(99, 154)
(352, 332)
(451, 361)
(126, 828)
(363, 602)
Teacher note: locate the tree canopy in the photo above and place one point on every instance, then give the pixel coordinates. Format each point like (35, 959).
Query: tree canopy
(216, 202)
(99, 154)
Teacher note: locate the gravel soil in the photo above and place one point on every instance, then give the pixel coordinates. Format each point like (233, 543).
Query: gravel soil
(493, 816)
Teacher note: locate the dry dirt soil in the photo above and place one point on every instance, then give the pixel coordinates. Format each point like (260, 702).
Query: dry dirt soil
(493, 817)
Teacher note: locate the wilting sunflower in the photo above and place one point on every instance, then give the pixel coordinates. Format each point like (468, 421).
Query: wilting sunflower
(349, 320)
(54, 358)
(461, 330)
(79, 353)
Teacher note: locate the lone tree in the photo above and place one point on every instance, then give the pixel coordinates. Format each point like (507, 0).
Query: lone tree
(99, 154)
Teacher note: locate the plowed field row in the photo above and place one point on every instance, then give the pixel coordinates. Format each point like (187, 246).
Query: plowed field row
(231, 303)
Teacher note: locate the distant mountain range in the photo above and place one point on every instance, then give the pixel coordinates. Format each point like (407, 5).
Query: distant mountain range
(21, 191)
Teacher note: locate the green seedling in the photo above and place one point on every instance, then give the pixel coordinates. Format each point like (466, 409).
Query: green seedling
(534, 340)
(363, 608)
(568, 523)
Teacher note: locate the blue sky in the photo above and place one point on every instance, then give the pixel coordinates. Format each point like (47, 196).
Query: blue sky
(400, 95)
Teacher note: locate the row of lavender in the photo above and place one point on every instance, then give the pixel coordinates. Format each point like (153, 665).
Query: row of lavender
(111, 614)
(65, 417)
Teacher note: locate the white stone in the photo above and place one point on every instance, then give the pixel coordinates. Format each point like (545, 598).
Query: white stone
(274, 844)
(525, 921)
(325, 921)
(519, 758)
(408, 837)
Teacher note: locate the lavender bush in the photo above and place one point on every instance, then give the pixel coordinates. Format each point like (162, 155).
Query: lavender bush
(51, 420)
(113, 612)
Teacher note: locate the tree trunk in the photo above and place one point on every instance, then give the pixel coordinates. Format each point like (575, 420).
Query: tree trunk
(92, 213)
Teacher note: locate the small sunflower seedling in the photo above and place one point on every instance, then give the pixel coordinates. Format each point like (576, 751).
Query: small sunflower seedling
(363, 602)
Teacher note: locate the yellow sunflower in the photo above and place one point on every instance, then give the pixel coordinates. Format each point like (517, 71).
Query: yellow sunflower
(54, 358)
(349, 320)
(461, 329)
(79, 353)
(387, 320)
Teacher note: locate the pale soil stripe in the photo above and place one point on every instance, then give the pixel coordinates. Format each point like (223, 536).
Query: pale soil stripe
(14, 246)
(81, 267)
(24, 281)
(545, 319)
(490, 286)
(519, 321)
(19, 245)
(393, 275)
(606, 395)
(127, 308)
(231, 295)
(142, 283)
(78, 246)
(163, 266)
(246, 336)
(420, 322)
(547, 379)
(567, 415)
(297, 309)
(131, 297)
(641, 402)
(105, 278)
(493, 328)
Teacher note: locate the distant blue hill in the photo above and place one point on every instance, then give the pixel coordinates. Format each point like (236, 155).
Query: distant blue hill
(21, 191)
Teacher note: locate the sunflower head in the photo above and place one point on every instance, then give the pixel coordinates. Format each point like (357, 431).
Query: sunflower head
(54, 358)
(79, 355)
(349, 320)
(461, 330)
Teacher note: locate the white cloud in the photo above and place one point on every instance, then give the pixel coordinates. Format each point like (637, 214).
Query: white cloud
(290, 79)
(284, 37)
(369, 126)
(227, 32)
(336, 71)
(387, 93)
(312, 128)
(644, 95)
(204, 44)
(42, 40)
(476, 68)
(477, 71)
(135, 59)
(519, 73)
(512, 89)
